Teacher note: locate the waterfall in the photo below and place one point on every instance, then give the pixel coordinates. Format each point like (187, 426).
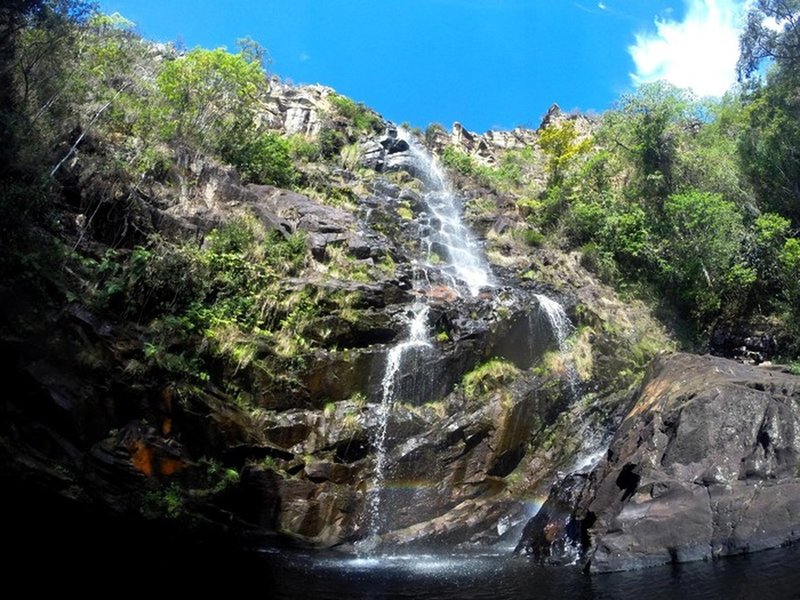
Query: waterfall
(561, 327)
(443, 232)
(558, 319)
(594, 445)
(417, 340)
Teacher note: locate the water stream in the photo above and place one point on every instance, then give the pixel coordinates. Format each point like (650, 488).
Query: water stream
(444, 235)
(417, 339)
(559, 321)
(449, 245)
(562, 327)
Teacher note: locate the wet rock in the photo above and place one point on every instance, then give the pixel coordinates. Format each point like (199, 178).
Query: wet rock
(290, 428)
(554, 535)
(442, 294)
(743, 344)
(704, 465)
(452, 461)
(401, 161)
(381, 187)
(319, 471)
(319, 514)
(372, 156)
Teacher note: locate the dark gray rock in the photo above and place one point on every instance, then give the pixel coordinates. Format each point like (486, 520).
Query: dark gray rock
(401, 161)
(381, 187)
(372, 156)
(704, 465)
(744, 344)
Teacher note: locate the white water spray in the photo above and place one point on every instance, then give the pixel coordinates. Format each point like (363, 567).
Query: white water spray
(562, 327)
(446, 236)
(558, 319)
(417, 339)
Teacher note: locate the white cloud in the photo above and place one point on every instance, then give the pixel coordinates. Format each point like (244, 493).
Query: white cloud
(699, 52)
(602, 6)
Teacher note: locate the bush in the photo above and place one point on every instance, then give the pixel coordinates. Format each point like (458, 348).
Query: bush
(487, 377)
(361, 118)
(266, 159)
(210, 95)
(458, 161)
(331, 142)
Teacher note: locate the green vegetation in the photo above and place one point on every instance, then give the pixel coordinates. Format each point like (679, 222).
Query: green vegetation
(487, 377)
(361, 118)
(265, 159)
(164, 503)
(688, 204)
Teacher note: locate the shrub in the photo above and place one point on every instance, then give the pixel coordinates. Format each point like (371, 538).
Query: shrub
(265, 159)
(361, 118)
(331, 142)
(487, 377)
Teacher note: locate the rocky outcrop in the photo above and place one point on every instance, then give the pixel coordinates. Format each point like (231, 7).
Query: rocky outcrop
(170, 428)
(704, 465)
(745, 344)
(487, 148)
(297, 109)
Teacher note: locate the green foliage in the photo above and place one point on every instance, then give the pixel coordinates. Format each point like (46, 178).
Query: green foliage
(531, 237)
(704, 252)
(488, 377)
(264, 159)
(360, 117)
(769, 147)
(302, 148)
(166, 502)
(458, 161)
(789, 261)
(331, 142)
(646, 128)
(217, 477)
(211, 95)
(761, 40)
(562, 144)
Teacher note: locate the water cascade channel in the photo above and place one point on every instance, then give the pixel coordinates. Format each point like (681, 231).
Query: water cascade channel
(448, 255)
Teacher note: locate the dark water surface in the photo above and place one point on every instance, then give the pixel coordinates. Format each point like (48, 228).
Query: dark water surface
(48, 546)
(770, 574)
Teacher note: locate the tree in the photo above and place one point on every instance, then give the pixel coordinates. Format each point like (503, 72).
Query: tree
(31, 34)
(772, 33)
(211, 95)
(562, 143)
(646, 126)
(704, 253)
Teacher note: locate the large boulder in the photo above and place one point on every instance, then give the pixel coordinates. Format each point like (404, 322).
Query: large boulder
(704, 465)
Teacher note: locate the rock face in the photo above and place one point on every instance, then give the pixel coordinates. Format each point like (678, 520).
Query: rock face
(297, 109)
(704, 465)
(109, 419)
(487, 148)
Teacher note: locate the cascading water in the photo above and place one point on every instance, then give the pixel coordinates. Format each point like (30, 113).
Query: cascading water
(595, 445)
(561, 327)
(443, 234)
(558, 319)
(417, 341)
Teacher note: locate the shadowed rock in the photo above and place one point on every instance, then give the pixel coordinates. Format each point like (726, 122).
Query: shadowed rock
(704, 465)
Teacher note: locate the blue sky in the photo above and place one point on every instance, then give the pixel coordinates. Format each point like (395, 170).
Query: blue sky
(485, 63)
